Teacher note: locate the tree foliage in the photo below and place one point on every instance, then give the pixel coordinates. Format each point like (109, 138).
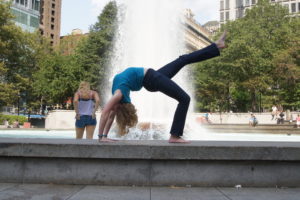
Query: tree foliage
(247, 71)
(17, 58)
(59, 75)
(94, 53)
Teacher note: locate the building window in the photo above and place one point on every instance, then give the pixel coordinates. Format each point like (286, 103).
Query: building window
(222, 17)
(53, 5)
(52, 26)
(239, 3)
(247, 3)
(52, 36)
(298, 7)
(239, 13)
(293, 7)
(23, 2)
(34, 21)
(35, 5)
(287, 6)
(222, 5)
(253, 2)
(227, 4)
(53, 12)
(20, 16)
(227, 16)
(52, 19)
(42, 19)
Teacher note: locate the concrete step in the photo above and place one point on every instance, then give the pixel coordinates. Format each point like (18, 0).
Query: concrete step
(150, 163)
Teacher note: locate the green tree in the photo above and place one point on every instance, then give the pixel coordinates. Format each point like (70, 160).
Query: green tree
(57, 78)
(286, 72)
(94, 53)
(16, 58)
(59, 74)
(9, 37)
(245, 70)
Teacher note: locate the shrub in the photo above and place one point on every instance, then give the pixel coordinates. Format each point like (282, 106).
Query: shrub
(12, 118)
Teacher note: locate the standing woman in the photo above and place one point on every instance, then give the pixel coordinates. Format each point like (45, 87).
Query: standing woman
(86, 102)
(134, 78)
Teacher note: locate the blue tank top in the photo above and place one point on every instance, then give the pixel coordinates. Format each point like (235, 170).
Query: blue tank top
(86, 106)
(130, 79)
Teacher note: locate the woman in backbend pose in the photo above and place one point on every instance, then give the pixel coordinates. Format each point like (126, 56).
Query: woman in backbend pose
(133, 79)
(86, 102)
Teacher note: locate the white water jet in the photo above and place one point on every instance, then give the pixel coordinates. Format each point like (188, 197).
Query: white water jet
(150, 34)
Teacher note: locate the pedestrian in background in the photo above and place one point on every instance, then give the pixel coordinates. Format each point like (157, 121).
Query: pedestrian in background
(274, 112)
(86, 102)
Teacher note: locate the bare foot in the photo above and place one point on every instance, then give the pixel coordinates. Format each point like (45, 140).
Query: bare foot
(105, 139)
(221, 41)
(175, 139)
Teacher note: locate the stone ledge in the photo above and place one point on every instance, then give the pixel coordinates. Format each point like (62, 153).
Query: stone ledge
(150, 163)
(150, 150)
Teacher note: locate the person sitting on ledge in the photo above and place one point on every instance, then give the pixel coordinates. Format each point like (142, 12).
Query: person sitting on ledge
(16, 124)
(134, 78)
(253, 120)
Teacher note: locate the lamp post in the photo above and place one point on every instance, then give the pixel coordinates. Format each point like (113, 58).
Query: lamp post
(260, 102)
(18, 104)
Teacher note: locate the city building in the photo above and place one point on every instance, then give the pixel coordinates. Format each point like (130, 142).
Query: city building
(68, 43)
(43, 15)
(27, 14)
(196, 36)
(234, 9)
(212, 26)
(50, 20)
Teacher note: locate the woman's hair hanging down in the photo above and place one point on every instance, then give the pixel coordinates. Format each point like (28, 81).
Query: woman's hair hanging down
(126, 117)
(84, 88)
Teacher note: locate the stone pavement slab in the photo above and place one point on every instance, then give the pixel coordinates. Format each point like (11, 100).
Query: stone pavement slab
(14, 191)
(112, 193)
(38, 192)
(4, 186)
(261, 193)
(181, 193)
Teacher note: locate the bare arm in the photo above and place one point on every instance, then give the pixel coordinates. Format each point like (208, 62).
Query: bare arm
(109, 122)
(108, 108)
(75, 100)
(97, 102)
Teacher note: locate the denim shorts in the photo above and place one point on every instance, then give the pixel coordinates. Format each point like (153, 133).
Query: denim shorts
(85, 120)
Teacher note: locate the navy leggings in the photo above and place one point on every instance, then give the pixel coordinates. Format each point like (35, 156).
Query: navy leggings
(160, 80)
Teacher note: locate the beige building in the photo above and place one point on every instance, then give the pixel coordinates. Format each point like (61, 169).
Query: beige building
(196, 36)
(212, 26)
(50, 17)
(68, 43)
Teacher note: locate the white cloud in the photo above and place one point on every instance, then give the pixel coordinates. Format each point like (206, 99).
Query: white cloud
(204, 10)
(98, 5)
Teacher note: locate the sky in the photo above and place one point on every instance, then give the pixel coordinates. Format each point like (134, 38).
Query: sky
(83, 13)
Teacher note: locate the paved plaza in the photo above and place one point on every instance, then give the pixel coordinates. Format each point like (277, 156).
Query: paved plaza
(14, 191)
